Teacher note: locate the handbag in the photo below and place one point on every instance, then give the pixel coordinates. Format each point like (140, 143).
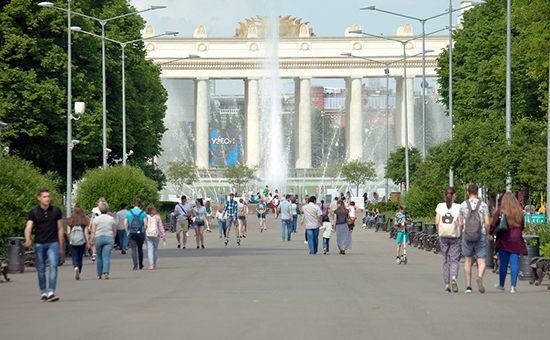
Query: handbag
(502, 225)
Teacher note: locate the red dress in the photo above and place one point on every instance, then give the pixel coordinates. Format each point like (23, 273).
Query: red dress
(510, 240)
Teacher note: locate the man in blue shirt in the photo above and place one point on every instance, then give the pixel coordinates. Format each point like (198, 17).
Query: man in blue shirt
(230, 216)
(137, 237)
(286, 217)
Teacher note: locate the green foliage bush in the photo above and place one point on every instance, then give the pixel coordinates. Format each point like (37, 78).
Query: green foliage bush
(166, 206)
(421, 203)
(20, 182)
(387, 206)
(117, 184)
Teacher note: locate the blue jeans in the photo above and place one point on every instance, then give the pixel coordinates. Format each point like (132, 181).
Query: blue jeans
(294, 222)
(51, 250)
(152, 250)
(513, 258)
(326, 242)
(77, 252)
(122, 239)
(104, 246)
(286, 223)
(312, 240)
(221, 225)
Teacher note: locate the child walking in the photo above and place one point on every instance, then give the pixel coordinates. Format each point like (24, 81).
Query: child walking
(401, 218)
(326, 228)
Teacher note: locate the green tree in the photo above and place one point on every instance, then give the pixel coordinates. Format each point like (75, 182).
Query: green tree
(238, 175)
(321, 134)
(395, 167)
(152, 171)
(358, 172)
(181, 174)
(20, 182)
(117, 184)
(33, 84)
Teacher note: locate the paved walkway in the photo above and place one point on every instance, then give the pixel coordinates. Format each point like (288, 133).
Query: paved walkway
(269, 289)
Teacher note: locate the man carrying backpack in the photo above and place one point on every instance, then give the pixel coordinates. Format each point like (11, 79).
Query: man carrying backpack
(134, 221)
(473, 215)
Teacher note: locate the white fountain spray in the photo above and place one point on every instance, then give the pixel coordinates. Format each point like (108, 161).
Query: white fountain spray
(273, 158)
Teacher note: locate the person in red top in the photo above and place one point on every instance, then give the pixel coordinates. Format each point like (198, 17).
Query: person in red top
(510, 243)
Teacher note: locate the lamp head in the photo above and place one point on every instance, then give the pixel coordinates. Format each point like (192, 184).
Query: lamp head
(346, 54)
(107, 150)
(46, 4)
(157, 7)
(76, 141)
(130, 153)
(76, 28)
(428, 51)
(475, 3)
(3, 125)
(171, 33)
(194, 56)
(370, 8)
(356, 31)
(79, 108)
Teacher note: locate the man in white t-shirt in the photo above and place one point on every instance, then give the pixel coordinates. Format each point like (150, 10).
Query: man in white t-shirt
(182, 211)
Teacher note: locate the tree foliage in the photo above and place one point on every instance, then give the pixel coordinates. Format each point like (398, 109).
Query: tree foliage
(396, 166)
(33, 84)
(358, 172)
(117, 184)
(20, 182)
(181, 174)
(238, 175)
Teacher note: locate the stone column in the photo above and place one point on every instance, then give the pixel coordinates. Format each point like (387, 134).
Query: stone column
(410, 110)
(354, 119)
(201, 123)
(303, 123)
(399, 112)
(252, 124)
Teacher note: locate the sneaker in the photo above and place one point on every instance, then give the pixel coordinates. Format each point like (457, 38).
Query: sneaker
(155, 267)
(261, 230)
(183, 247)
(238, 241)
(135, 268)
(513, 290)
(480, 285)
(94, 257)
(123, 252)
(43, 298)
(468, 290)
(397, 260)
(76, 274)
(455, 286)
(179, 245)
(99, 277)
(150, 268)
(202, 246)
(265, 229)
(305, 242)
(220, 237)
(198, 247)
(447, 290)
(106, 276)
(226, 242)
(499, 287)
(244, 236)
(324, 251)
(52, 298)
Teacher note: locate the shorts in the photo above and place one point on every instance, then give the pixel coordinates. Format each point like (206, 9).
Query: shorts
(261, 215)
(400, 237)
(475, 249)
(242, 218)
(198, 224)
(182, 225)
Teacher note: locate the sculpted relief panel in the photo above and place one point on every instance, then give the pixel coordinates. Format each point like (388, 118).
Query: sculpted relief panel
(288, 27)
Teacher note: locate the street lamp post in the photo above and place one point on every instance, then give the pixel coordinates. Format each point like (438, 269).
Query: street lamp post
(404, 43)
(508, 90)
(423, 23)
(123, 46)
(103, 22)
(387, 72)
(2, 127)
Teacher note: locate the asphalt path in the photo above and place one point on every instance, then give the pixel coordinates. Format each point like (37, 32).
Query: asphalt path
(269, 289)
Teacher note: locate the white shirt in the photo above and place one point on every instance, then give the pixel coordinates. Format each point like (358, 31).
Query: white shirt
(455, 211)
(326, 228)
(351, 211)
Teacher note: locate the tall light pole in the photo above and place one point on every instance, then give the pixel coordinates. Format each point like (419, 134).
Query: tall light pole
(387, 72)
(2, 127)
(508, 90)
(404, 43)
(103, 22)
(123, 46)
(423, 23)
(548, 147)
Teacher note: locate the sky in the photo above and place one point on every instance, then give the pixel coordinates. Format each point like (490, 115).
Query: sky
(327, 18)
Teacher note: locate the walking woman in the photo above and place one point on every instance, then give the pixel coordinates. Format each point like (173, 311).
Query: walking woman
(208, 214)
(221, 222)
(199, 211)
(153, 233)
(294, 222)
(510, 243)
(343, 232)
(241, 216)
(103, 237)
(449, 239)
(77, 229)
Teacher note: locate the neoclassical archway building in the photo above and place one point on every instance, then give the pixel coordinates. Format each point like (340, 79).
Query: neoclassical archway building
(302, 56)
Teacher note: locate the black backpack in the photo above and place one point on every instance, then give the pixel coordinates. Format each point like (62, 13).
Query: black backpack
(472, 225)
(135, 225)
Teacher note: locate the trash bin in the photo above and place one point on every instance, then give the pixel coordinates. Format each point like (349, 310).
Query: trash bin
(430, 228)
(417, 226)
(16, 254)
(525, 261)
(489, 263)
(171, 222)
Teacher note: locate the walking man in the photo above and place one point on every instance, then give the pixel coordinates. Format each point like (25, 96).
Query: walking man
(48, 241)
(120, 232)
(230, 217)
(473, 215)
(182, 212)
(286, 218)
(134, 222)
(312, 220)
